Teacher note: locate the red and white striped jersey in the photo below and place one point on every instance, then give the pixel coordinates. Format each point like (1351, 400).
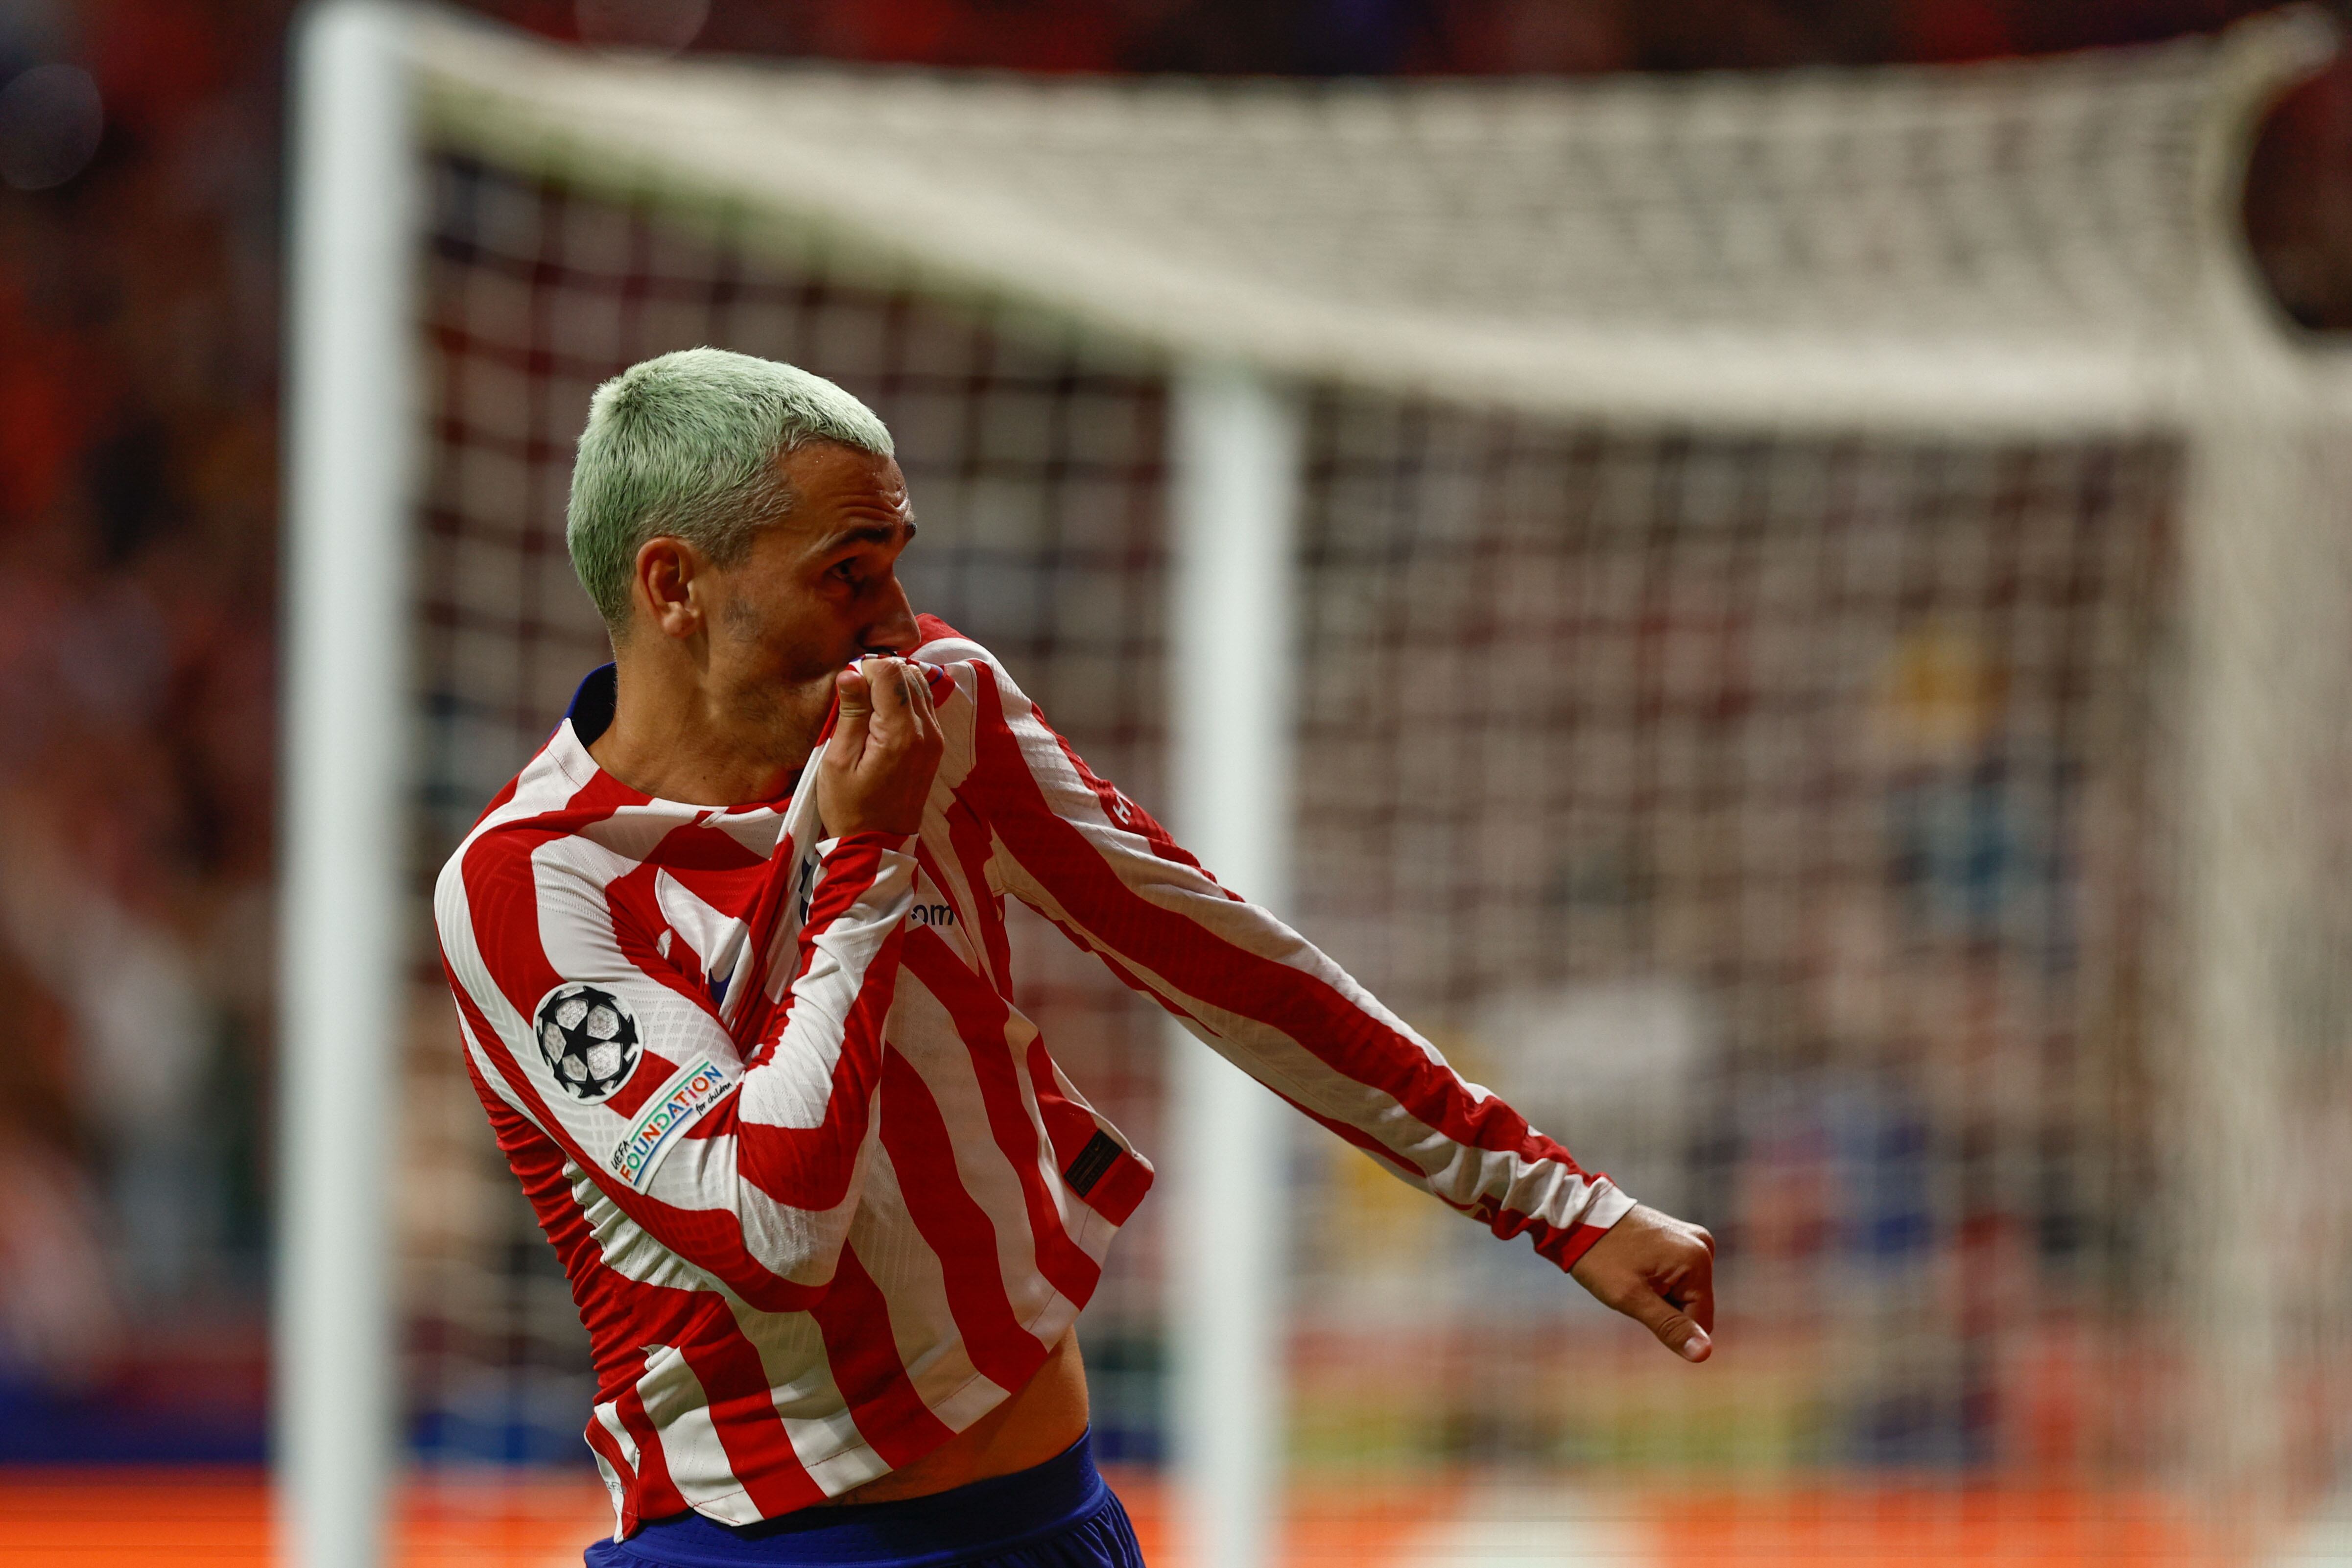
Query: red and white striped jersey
(823, 1195)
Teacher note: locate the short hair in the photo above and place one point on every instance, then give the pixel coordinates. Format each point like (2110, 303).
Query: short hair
(686, 445)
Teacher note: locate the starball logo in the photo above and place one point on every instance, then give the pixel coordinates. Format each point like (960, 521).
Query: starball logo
(689, 1095)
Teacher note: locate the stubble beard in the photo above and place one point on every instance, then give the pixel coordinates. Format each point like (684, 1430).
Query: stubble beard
(791, 706)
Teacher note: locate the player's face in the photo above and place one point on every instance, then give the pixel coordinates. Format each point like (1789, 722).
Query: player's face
(821, 587)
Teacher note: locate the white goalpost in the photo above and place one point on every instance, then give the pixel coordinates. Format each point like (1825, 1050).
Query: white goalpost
(345, 890)
(1836, 579)
(1236, 458)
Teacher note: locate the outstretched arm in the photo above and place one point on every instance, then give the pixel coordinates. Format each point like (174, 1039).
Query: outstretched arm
(1072, 847)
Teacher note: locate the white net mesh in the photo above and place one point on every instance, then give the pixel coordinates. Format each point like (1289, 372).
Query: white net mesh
(1790, 798)
(1820, 801)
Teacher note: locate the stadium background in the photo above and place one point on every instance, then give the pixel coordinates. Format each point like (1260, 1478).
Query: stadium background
(139, 311)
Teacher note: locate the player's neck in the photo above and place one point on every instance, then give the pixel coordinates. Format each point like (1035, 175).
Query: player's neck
(679, 737)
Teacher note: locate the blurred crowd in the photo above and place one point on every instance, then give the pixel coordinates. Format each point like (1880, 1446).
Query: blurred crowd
(138, 320)
(138, 326)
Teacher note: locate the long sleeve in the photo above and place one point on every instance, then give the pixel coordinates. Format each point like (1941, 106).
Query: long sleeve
(745, 1160)
(1072, 847)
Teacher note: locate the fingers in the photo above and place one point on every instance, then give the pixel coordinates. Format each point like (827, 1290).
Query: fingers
(918, 695)
(1688, 1286)
(1701, 1303)
(901, 701)
(856, 692)
(886, 678)
(1675, 1328)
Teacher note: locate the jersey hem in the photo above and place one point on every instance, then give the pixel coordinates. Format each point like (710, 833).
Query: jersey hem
(1044, 1327)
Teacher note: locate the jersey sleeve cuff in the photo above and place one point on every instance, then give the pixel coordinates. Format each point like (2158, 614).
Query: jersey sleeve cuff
(866, 880)
(1609, 1203)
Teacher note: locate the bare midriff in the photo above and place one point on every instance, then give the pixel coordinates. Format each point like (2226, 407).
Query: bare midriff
(1045, 1417)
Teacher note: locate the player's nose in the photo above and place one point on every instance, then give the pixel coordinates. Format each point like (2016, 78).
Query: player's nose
(892, 630)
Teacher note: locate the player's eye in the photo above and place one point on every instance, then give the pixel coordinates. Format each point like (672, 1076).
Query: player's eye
(847, 572)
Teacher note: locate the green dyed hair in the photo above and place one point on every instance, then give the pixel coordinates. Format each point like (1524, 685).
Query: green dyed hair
(686, 445)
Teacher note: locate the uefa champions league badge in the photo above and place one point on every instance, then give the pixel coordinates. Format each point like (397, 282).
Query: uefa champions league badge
(680, 1103)
(589, 1039)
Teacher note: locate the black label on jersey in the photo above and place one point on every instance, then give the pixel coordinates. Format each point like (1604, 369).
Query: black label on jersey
(1102, 1151)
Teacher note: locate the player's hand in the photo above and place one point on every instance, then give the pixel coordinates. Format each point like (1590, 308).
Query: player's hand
(1660, 1272)
(877, 770)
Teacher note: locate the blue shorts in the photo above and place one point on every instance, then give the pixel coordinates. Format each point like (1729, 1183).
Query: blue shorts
(1059, 1514)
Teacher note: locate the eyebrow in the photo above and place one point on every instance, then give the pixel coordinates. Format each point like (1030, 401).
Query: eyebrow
(871, 533)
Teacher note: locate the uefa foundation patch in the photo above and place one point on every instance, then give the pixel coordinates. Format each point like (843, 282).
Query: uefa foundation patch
(678, 1106)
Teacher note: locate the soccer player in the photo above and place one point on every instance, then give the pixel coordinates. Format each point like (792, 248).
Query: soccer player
(730, 964)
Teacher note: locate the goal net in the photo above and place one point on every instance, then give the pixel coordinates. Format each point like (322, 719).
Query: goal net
(1820, 622)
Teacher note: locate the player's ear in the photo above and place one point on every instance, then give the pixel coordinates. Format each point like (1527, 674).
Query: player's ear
(665, 586)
